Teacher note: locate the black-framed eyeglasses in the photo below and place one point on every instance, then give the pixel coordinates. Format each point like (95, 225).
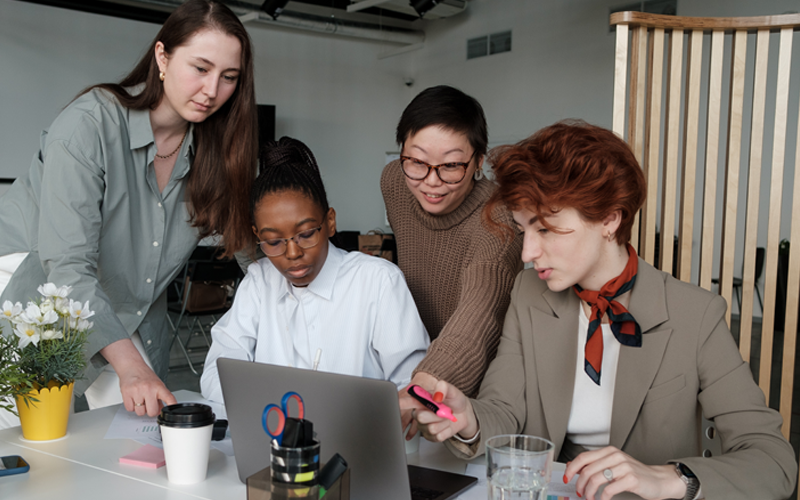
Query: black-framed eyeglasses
(274, 247)
(449, 173)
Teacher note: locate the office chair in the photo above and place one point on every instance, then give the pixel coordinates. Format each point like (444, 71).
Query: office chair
(215, 281)
(737, 282)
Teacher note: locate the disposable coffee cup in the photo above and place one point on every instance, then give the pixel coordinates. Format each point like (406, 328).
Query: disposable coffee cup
(186, 434)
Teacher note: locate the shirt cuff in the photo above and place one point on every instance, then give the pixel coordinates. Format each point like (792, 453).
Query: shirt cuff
(470, 440)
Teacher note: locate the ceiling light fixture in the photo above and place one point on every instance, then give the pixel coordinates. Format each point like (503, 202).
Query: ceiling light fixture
(423, 6)
(274, 7)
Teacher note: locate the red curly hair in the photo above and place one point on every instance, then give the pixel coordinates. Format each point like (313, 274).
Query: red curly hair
(569, 164)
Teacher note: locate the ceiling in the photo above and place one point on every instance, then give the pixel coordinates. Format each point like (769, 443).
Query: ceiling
(393, 21)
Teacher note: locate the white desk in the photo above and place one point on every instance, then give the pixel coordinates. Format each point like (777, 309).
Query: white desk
(85, 466)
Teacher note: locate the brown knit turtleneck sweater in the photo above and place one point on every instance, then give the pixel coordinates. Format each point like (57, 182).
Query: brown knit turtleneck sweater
(459, 274)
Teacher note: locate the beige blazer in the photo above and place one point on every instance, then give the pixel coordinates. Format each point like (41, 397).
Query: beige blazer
(688, 363)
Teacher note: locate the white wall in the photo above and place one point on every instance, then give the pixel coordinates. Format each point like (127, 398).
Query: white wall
(335, 94)
(331, 92)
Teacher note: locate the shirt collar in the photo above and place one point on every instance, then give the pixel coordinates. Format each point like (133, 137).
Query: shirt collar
(323, 284)
(140, 130)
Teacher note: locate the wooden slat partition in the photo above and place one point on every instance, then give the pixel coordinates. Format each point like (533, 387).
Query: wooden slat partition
(730, 201)
(671, 150)
(712, 152)
(773, 230)
(689, 170)
(674, 140)
(751, 217)
(652, 143)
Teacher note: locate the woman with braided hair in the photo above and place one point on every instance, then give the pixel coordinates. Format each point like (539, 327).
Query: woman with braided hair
(307, 296)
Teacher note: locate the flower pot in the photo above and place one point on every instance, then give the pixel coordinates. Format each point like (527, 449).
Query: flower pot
(47, 418)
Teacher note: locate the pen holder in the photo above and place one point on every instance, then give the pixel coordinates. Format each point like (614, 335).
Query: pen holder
(260, 486)
(295, 466)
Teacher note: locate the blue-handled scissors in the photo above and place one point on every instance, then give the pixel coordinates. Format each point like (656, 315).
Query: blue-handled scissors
(283, 414)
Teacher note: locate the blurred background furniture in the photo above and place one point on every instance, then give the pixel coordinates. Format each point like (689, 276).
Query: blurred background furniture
(201, 294)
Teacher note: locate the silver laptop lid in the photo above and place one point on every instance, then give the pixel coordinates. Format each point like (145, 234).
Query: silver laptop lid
(358, 418)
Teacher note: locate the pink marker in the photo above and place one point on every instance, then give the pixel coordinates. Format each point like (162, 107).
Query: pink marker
(426, 399)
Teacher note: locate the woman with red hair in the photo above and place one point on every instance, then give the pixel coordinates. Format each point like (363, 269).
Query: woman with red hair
(609, 358)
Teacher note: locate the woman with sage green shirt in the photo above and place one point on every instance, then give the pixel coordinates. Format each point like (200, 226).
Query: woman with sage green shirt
(128, 179)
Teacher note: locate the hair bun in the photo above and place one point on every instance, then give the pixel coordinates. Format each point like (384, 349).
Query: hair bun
(287, 152)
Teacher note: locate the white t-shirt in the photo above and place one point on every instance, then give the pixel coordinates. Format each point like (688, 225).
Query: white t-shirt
(590, 417)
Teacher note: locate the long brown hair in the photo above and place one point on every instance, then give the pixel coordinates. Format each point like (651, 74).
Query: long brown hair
(226, 143)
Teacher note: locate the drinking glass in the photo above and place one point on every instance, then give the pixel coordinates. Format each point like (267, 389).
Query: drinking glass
(518, 467)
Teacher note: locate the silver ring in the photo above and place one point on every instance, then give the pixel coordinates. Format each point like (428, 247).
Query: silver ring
(138, 404)
(608, 475)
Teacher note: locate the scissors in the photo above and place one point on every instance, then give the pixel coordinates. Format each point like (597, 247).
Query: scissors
(283, 414)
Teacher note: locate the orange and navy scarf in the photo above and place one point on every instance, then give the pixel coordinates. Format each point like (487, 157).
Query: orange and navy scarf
(623, 325)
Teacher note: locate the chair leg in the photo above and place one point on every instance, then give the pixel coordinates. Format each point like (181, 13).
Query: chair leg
(176, 335)
(760, 302)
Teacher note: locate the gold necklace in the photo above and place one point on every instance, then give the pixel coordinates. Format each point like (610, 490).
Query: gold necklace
(164, 157)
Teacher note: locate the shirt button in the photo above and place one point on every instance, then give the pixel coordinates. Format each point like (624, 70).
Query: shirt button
(149, 342)
(159, 203)
(149, 280)
(155, 243)
(138, 313)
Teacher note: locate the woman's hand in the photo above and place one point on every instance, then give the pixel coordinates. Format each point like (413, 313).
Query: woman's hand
(651, 482)
(408, 404)
(437, 429)
(142, 390)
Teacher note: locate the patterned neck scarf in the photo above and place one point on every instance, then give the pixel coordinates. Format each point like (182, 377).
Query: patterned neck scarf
(623, 325)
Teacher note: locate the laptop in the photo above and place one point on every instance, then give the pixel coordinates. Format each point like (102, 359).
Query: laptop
(359, 418)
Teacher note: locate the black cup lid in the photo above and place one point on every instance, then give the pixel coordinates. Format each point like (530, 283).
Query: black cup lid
(186, 415)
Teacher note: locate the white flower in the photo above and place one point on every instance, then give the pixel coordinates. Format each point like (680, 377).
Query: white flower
(78, 310)
(84, 324)
(27, 334)
(52, 334)
(50, 290)
(35, 316)
(62, 306)
(47, 306)
(11, 311)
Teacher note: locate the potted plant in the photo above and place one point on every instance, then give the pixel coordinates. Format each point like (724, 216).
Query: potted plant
(46, 353)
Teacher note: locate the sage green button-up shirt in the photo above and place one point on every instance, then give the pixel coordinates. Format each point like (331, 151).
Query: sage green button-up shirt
(90, 213)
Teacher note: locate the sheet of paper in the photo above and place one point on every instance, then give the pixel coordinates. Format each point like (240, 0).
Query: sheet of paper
(128, 425)
(556, 489)
(144, 430)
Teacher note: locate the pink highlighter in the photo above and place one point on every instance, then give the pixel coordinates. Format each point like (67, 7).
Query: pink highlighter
(426, 399)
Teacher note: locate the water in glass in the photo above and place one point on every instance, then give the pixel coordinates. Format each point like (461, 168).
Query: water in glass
(517, 483)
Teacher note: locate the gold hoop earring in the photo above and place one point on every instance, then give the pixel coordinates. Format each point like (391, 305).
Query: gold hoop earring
(161, 76)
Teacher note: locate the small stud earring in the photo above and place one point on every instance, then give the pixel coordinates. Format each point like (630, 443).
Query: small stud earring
(161, 76)
(610, 236)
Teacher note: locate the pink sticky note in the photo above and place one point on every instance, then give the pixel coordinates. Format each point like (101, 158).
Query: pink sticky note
(146, 456)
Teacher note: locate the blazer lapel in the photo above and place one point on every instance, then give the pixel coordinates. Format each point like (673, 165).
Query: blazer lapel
(638, 366)
(554, 349)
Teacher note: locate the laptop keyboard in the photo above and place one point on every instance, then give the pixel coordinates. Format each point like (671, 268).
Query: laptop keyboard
(420, 493)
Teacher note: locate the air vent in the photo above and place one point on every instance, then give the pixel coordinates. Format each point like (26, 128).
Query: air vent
(500, 42)
(495, 43)
(477, 47)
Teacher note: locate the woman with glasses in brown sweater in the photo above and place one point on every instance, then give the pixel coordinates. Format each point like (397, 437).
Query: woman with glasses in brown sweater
(459, 273)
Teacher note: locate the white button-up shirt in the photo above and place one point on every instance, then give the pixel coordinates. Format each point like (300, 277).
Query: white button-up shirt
(358, 311)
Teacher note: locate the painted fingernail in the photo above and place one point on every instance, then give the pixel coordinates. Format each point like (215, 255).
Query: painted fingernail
(438, 397)
(579, 495)
(565, 479)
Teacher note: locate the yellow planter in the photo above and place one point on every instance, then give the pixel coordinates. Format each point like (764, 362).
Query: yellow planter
(47, 418)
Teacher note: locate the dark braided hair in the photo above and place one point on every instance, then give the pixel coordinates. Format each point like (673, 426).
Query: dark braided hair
(288, 165)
